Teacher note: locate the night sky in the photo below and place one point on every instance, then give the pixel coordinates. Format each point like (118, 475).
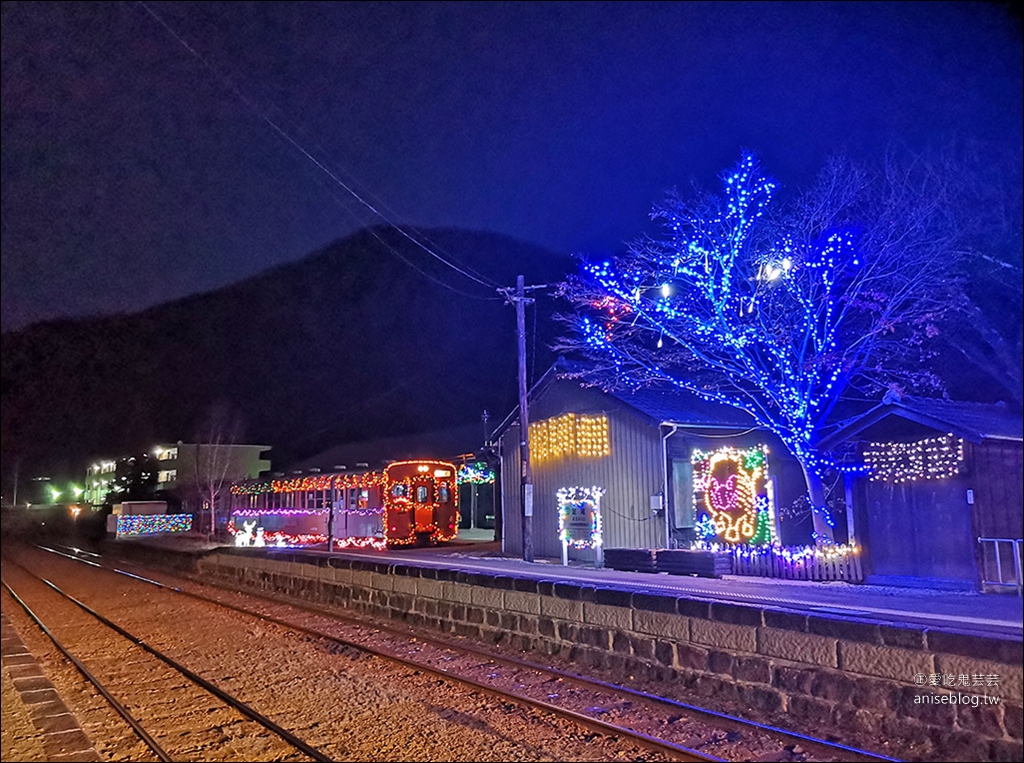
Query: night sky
(134, 173)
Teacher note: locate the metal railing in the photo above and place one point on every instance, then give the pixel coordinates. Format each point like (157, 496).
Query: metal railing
(992, 549)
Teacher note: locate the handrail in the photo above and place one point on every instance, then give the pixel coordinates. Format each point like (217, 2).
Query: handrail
(1015, 546)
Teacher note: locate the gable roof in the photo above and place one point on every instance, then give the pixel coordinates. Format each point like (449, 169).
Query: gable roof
(682, 407)
(658, 405)
(972, 421)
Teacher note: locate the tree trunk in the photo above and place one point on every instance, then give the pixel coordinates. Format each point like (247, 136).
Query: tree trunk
(819, 510)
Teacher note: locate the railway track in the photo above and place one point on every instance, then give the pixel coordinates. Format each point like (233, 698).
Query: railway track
(116, 682)
(652, 721)
(611, 742)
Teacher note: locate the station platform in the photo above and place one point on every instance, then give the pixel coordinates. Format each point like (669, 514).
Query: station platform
(988, 614)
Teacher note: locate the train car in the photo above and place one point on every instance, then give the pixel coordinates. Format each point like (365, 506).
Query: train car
(406, 503)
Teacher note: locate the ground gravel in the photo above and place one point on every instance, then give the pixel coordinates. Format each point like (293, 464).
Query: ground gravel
(351, 706)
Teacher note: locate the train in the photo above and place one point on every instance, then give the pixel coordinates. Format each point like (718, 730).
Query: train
(406, 503)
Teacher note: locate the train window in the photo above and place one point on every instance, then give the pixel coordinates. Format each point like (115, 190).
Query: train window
(400, 491)
(443, 494)
(364, 499)
(422, 494)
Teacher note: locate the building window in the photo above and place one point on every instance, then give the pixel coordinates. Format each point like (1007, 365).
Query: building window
(168, 475)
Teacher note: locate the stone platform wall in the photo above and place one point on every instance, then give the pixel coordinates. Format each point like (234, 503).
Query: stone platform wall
(847, 680)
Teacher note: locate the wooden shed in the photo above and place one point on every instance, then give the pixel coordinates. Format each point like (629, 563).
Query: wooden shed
(940, 503)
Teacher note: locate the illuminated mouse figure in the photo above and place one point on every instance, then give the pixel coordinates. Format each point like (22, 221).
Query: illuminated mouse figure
(734, 486)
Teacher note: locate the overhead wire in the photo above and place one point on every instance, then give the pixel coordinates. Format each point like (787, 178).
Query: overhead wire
(380, 203)
(373, 232)
(287, 137)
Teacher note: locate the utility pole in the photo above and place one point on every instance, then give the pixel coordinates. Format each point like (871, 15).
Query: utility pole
(524, 424)
(520, 300)
(17, 467)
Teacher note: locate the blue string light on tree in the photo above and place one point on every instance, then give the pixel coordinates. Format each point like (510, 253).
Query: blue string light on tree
(778, 321)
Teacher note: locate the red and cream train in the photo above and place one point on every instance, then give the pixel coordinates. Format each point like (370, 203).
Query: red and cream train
(408, 502)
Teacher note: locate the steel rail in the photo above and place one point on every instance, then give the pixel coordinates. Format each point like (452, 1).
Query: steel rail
(212, 688)
(590, 682)
(130, 719)
(661, 745)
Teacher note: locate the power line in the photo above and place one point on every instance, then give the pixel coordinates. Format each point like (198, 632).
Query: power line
(382, 204)
(402, 257)
(284, 135)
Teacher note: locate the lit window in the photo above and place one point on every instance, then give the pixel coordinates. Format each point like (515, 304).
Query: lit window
(422, 494)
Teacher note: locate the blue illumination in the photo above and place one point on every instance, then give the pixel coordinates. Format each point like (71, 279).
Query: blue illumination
(755, 316)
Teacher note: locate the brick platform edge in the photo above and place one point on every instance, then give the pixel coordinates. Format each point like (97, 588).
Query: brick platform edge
(61, 735)
(843, 679)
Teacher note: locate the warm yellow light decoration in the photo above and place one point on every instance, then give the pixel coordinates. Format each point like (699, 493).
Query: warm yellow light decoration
(585, 436)
(935, 458)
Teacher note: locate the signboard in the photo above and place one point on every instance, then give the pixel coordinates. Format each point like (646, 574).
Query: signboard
(579, 520)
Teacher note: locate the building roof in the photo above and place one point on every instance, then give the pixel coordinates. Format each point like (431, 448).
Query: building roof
(682, 407)
(971, 421)
(659, 405)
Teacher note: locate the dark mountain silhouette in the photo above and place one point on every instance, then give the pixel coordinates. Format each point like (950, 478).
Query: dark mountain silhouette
(347, 344)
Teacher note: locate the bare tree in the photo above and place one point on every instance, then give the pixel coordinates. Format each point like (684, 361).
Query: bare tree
(779, 312)
(215, 457)
(986, 327)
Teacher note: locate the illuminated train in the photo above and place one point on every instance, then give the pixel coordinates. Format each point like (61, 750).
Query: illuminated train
(408, 502)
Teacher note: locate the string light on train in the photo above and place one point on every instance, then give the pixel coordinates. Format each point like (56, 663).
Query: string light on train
(377, 544)
(421, 501)
(277, 512)
(316, 483)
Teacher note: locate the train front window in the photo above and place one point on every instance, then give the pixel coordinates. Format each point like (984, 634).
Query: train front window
(400, 491)
(422, 494)
(442, 494)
